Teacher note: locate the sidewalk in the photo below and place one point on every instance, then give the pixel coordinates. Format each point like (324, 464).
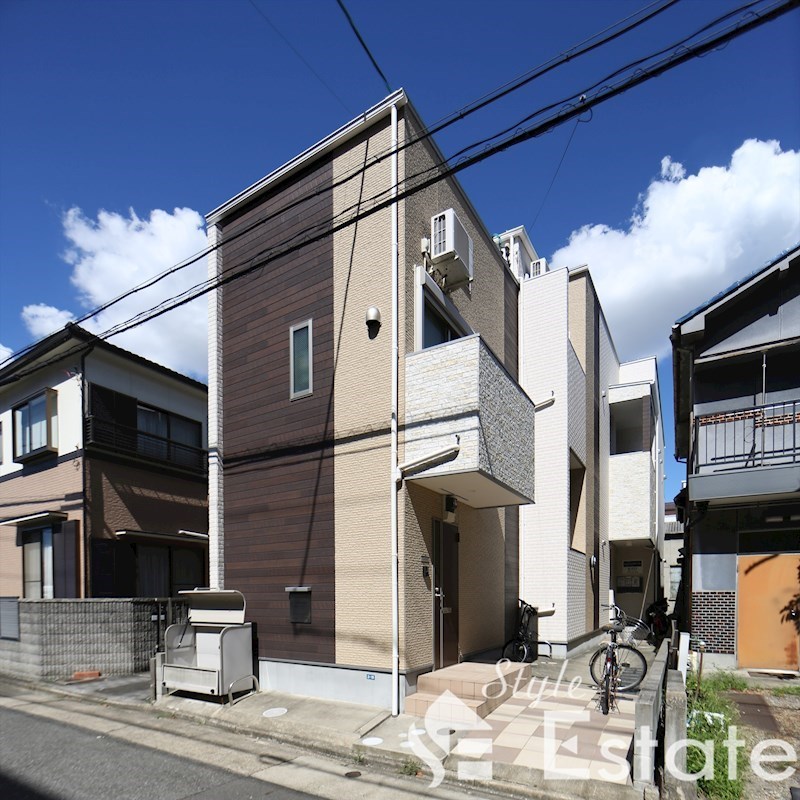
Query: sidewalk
(503, 754)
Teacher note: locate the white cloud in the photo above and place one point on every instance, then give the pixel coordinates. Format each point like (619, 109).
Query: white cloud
(41, 319)
(5, 353)
(691, 237)
(114, 253)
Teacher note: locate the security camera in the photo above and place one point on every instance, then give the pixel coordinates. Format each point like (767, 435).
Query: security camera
(373, 321)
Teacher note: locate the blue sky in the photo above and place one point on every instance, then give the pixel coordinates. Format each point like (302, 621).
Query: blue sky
(115, 110)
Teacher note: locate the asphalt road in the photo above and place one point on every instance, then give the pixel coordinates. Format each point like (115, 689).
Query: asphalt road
(60, 748)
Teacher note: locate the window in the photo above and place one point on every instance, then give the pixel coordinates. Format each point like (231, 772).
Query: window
(1, 442)
(36, 426)
(121, 423)
(301, 360)
(50, 560)
(436, 328)
(37, 563)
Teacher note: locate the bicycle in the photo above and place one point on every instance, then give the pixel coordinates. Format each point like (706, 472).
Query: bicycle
(519, 648)
(616, 667)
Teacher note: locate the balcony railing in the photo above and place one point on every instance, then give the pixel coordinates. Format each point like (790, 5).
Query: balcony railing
(131, 441)
(759, 436)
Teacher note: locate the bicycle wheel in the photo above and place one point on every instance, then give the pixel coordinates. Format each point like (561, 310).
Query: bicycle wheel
(631, 667)
(516, 650)
(605, 694)
(596, 665)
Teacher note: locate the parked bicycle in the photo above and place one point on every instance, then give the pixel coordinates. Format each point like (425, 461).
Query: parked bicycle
(524, 643)
(653, 629)
(616, 667)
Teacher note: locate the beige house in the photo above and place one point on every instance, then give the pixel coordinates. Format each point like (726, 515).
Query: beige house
(370, 442)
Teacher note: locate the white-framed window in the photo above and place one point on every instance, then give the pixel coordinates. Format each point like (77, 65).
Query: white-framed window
(301, 360)
(36, 426)
(37, 563)
(436, 318)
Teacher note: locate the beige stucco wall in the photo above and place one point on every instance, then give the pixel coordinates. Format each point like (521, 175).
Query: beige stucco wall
(59, 488)
(361, 414)
(362, 405)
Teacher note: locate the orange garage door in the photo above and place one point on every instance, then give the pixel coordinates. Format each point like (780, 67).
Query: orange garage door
(768, 585)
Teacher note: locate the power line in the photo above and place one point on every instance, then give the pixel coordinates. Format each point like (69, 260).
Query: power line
(364, 45)
(573, 53)
(555, 174)
(740, 28)
(299, 55)
(439, 170)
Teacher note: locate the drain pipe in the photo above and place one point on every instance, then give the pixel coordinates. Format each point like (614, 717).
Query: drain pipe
(393, 486)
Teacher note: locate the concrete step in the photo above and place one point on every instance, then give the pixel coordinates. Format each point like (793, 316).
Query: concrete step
(445, 707)
(479, 687)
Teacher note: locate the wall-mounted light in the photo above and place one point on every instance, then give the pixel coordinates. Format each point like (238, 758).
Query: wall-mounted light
(373, 321)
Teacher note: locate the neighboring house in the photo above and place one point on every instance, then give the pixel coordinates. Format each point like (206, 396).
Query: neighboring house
(597, 522)
(365, 559)
(672, 558)
(103, 487)
(737, 424)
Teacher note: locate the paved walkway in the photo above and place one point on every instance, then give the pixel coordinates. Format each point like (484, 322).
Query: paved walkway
(510, 746)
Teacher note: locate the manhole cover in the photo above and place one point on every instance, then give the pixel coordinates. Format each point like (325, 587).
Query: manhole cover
(372, 741)
(352, 774)
(274, 712)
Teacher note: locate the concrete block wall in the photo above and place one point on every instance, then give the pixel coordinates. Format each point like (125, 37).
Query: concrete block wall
(508, 419)
(60, 637)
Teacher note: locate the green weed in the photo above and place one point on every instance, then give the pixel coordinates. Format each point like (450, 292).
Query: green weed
(709, 700)
(410, 767)
(785, 691)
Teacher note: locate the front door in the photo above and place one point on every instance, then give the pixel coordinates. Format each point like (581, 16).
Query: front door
(445, 605)
(767, 632)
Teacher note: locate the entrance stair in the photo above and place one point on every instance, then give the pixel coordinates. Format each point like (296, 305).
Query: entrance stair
(462, 691)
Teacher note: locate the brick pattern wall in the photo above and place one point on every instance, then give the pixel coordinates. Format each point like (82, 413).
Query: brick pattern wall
(714, 620)
(59, 637)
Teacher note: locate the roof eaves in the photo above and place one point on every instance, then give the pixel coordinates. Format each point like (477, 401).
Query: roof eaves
(751, 277)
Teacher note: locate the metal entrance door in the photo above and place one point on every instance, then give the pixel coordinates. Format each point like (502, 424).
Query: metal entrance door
(767, 636)
(445, 605)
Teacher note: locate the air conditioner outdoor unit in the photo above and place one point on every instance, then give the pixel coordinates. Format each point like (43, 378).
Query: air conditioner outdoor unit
(451, 248)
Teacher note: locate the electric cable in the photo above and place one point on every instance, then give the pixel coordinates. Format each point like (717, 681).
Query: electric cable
(364, 45)
(299, 55)
(569, 55)
(567, 113)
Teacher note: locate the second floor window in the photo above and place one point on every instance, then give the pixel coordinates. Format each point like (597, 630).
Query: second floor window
(301, 357)
(118, 421)
(36, 426)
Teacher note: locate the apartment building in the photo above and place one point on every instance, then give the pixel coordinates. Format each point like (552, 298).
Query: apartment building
(597, 523)
(102, 473)
(369, 440)
(737, 425)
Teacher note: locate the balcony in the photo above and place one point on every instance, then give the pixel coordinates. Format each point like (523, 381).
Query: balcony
(632, 503)
(459, 389)
(746, 453)
(113, 437)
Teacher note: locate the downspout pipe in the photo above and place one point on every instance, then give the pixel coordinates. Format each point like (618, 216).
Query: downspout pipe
(393, 486)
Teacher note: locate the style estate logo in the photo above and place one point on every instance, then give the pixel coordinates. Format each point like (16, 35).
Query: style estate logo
(453, 728)
(444, 720)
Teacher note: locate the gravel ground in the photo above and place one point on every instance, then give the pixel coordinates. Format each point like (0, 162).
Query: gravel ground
(786, 711)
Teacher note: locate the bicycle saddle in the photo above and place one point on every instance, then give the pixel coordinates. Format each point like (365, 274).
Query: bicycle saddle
(617, 626)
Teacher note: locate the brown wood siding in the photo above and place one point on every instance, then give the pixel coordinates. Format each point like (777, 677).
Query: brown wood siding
(278, 453)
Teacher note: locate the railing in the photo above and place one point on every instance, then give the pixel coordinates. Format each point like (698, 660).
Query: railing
(122, 439)
(758, 436)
